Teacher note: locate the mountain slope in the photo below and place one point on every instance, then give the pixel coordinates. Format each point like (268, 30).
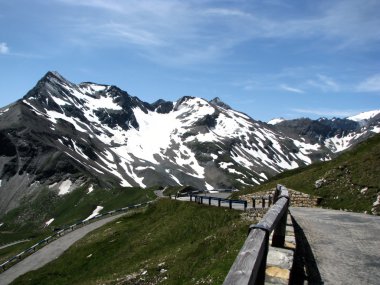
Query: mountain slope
(63, 135)
(350, 181)
(171, 243)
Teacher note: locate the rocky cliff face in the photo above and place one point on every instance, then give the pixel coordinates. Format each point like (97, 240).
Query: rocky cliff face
(62, 135)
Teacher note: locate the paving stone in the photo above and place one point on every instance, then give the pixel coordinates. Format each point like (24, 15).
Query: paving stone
(280, 257)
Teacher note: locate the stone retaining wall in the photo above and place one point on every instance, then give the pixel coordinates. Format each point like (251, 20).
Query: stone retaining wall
(256, 214)
(297, 199)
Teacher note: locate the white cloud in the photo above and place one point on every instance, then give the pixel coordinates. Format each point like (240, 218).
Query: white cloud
(291, 89)
(371, 84)
(325, 83)
(326, 112)
(196, 31)
(4, 49)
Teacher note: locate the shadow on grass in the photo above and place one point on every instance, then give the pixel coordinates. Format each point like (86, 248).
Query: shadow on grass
(305, 268)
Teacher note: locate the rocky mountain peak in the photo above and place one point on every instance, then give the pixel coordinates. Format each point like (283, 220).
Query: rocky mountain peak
(63, 133)
(220, 103)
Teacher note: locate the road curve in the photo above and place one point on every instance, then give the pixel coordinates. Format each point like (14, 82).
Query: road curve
(346, 246)
(51, 251)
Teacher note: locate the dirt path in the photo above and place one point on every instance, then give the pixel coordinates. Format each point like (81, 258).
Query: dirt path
(51, 251)
(345, 246)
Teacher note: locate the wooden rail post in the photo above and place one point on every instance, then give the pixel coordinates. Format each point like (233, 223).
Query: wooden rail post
(278, 239)
(263, 202)
(209, 200)
(230, 201)
(219, 202)
(245, 205)
(253, 202)
(276, 193)
(260, 278)
(250, 264)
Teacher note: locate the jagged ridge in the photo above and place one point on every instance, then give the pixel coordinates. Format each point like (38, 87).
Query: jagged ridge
(62, 135)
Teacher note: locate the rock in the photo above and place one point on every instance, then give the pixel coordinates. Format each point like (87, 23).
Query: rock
(280, 257)
(277, 275)
(319, 183)
(376, 206)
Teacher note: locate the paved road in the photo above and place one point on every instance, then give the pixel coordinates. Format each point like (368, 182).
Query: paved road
(159, 193)
(51, 251)
(346, 246)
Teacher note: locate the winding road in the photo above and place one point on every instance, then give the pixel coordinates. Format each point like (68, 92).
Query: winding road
(51, 251)
(345, 245)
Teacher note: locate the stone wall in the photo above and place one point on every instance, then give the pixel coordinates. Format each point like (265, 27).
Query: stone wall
(297, 199)
(256, 214)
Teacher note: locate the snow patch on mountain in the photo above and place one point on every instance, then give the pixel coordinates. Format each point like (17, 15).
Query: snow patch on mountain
(154, 134)
(276, 121)
(49, 222)
(54, 116)
(90, 189)
(64, 187)
(94, 213)
(338, 144)
(364, 116)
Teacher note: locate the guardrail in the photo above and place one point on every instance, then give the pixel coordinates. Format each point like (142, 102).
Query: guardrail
(200, 199)
(249, 266)
(13, 260)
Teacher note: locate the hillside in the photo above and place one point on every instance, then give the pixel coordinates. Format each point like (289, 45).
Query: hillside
(174, 242)
(351, 181)
(38, 218)
(49, 210)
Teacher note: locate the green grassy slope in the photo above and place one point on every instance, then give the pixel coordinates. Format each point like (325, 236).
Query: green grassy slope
(196, 244)
(345, 177)
(28, 220)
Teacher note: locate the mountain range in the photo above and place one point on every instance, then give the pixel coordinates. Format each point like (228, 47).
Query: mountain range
(62, 135)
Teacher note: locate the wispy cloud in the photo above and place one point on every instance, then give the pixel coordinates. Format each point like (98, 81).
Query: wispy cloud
(197, 31)
(4, 49)
(324, 83)
(371, 84)
(326, 112)
(291, 89)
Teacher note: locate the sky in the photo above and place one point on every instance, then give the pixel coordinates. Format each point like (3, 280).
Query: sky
(268, 59)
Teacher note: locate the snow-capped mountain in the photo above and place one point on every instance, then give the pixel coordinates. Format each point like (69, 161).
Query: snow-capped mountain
(365, 116)
(276, 121)
(62, 135)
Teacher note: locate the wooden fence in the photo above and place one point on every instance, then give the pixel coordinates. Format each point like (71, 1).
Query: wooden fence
(13, 260)
(249, 266)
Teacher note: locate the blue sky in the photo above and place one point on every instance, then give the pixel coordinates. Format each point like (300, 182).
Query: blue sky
(266, 58)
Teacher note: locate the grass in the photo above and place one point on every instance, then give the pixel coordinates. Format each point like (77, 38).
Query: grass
(189, 243)
(28, 220)
(344, 176)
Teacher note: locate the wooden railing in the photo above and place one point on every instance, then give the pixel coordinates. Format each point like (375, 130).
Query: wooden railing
(249, 266)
